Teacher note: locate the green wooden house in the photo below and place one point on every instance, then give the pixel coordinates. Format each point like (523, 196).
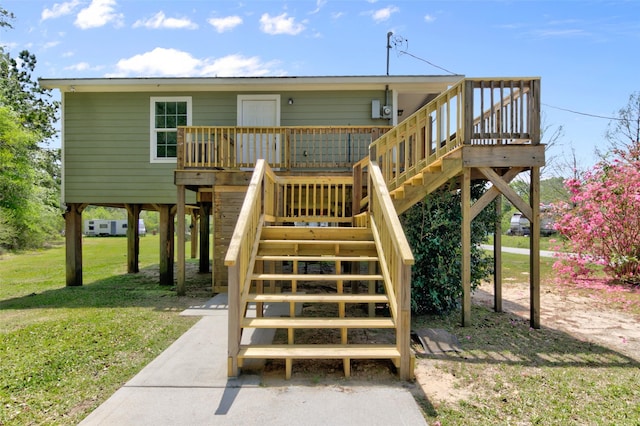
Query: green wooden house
(262, 161)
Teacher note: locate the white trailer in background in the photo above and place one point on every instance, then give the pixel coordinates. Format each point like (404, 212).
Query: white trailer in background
(110, 227)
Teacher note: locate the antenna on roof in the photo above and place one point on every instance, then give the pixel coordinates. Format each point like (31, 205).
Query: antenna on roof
(389, 34)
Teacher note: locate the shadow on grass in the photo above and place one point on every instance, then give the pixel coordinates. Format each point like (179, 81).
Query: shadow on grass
(141, 289)
(506, 338)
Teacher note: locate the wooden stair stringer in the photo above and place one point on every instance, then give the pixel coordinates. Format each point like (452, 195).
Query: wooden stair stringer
(415, 192)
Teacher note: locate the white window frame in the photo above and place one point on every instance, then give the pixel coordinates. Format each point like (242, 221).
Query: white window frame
(152, 124)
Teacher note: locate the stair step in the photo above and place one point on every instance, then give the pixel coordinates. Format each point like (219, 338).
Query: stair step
(316, 233)
(319, 351)
(326, 258)
(318, 277)
(318, 298)
(318, 323)
(318, 242)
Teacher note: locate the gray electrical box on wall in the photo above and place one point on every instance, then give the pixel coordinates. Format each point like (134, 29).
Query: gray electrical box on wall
(375, 108)
(387, 111)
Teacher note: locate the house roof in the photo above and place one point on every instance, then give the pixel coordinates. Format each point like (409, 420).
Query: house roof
(403, 83)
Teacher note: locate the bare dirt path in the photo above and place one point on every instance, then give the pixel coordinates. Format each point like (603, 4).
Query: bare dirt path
(583, 317)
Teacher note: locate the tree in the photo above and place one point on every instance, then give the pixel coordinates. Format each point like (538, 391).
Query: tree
(29, 173)
(433, 228)
(623, 133)
(602, 220)
(602, 226)
(26, 219)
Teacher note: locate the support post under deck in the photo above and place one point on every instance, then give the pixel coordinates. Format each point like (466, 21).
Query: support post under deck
(166, 244)
(534, 248)
(73, 237)
(466, 246)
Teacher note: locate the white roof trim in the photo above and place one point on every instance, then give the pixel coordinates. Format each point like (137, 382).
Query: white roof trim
(248, 83)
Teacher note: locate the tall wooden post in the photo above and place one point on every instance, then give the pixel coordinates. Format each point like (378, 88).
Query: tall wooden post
(235, 318)
(195, 220)
(166, 244)
(534, 248)
(497, 257)
(73, 246)
(213, 240)
(466, 246)
(205, 211)
(133, 238)
(181, 231)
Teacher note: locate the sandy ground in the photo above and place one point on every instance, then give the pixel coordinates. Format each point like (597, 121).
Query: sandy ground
(583, 317)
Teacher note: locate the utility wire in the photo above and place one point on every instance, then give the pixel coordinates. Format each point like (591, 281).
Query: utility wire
(401, 45)
(585, 113)
(424, 60)
(401, 41)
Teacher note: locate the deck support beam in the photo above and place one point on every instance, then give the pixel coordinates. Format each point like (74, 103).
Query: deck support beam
(181, 288)
(205, 212)
(534, 249)
(166, 229)
(466, 246)
(73, 239)
(133, 238)
(497, 258)
(195, 221)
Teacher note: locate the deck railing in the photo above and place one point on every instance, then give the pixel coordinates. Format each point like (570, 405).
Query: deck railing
(472, 112)
(299, 147)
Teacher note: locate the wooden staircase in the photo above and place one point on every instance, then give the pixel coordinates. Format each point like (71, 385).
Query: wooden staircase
(347, 289)
(486, 128)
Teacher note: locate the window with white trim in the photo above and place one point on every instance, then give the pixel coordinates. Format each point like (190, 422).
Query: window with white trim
(167, 113)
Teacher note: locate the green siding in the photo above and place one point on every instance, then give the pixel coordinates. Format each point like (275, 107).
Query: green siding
(106, 137)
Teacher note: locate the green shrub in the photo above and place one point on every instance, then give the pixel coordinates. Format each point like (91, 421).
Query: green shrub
(433, 228)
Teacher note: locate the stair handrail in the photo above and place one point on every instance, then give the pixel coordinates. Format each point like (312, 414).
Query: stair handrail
(240, 256)
(478, 111)
(398, 258)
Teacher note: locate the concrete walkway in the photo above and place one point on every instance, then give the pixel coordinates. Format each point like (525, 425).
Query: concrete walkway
(515, 250)
(188, 385)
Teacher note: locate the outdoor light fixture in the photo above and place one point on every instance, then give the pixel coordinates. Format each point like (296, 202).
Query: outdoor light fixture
(290, 101)
(400, 112)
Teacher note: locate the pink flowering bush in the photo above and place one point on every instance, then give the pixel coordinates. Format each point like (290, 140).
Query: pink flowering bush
(602, 223)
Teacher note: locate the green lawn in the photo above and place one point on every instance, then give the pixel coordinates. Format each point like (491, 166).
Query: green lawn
(514, 375)
(64, 350)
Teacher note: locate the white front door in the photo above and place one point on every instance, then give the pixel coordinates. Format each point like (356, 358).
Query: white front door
(258, 111)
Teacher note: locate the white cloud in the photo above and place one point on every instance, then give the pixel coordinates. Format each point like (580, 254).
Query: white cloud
(163, 62)
(225, 24)
(59, 9)
(429, 18)
(98, 14)
(319, 5)
(50, 44)
(80, 66)
(159, 20)
(237, 66)
(280, 24)
(384, 14)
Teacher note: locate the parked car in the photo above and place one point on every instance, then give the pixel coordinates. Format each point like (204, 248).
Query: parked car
(519, 224)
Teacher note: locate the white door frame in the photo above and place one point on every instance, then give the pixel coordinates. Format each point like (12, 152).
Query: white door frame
(245, 149)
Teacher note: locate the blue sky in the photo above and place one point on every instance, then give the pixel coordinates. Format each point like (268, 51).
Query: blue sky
(585, 51)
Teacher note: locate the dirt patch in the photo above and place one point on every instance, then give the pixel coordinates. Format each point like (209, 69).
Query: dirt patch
(585, 318)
